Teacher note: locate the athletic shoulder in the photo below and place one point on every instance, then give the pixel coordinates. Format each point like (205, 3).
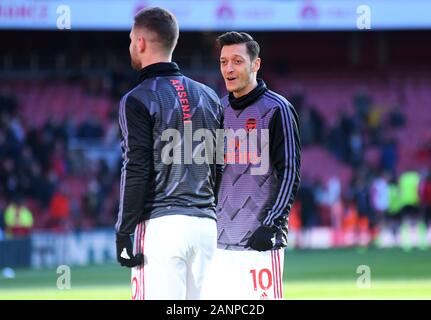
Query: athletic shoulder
(204, 88)
(142, 94)
(276, 100)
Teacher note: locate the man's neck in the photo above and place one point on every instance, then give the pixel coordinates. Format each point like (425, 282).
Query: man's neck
(154, 59)
(246, 90)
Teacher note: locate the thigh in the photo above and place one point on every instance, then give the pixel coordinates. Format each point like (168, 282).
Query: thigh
(221, 280)
(163, 274)
(245, 275)
(264, 271)
(203, 240)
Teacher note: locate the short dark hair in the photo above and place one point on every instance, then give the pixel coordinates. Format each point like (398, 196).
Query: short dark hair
(160, 21)
(233, 37)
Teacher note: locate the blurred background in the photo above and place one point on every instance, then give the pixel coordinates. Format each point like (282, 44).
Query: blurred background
(357, 72)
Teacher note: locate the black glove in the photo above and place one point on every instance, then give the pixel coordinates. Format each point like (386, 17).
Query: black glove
(125, 254)
(262, 239)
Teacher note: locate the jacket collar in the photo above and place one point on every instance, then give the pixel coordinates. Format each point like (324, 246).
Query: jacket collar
(249, 98)
(159, 69)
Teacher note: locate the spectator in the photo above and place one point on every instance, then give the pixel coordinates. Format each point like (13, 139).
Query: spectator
(336, 140)
(397, 119)
(312, 126)
(388, 155)
(308, 204)
(409, 196)
(347, 125)
(362, 104)
(18, 219)
(58, 159)
(334, 201)
(350, 217)
(307, 127)
(366, 219)
(318, 124)
(380, 195)
(90, 129)
(356, 149)
(394, 208)
(323, 211)
(59, 211)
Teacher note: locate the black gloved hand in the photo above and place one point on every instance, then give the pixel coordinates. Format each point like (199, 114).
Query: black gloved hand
(262, 239)
(125, 254)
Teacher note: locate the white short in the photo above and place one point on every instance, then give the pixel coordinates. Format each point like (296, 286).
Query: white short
(177, 251)
(245, 275)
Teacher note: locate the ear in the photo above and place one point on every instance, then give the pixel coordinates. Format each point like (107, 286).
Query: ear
(141, 43)
(255, 65)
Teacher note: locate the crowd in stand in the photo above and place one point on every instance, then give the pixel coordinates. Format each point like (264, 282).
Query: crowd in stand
(377, 195)
(38, 169)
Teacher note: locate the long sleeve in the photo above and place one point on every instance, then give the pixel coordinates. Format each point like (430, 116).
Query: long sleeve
(137, 146)
(285, 153)
(219, 166)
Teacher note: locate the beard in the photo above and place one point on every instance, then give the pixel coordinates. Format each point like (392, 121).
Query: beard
(135, 63)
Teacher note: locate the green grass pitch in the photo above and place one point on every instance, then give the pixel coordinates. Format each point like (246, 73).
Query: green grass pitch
(310, 274)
